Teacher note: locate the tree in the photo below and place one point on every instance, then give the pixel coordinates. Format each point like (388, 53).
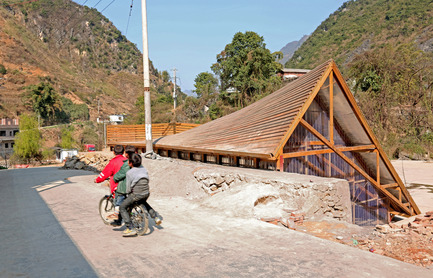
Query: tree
(394, 88)
(165, 76)
(67, 138)
(205, 84)
(43, 99)
(28, 140)
(247, 65)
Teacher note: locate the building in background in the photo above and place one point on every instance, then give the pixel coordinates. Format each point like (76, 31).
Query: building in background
(8, 129)
(291, 74)
(116, 119)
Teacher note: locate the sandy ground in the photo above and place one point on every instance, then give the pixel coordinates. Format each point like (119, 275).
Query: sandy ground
(418, 177)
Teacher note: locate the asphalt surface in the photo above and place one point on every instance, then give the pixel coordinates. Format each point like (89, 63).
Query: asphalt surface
(33, 243)
(51, 228)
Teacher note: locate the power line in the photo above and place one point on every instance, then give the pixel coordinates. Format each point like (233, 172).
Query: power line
(130, 11)
(107, 6)
(96, 3)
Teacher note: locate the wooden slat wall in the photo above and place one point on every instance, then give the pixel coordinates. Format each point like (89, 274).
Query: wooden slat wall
(136, 133)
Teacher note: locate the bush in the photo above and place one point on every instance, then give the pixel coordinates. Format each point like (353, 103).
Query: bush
(3, 69)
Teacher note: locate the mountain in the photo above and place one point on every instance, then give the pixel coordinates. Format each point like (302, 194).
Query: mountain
(363, 25)
(289, 49)
(74, 48)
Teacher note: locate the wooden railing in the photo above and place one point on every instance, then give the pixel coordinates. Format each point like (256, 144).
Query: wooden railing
(136, 133)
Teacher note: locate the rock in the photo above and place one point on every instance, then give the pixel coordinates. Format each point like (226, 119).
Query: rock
(289, 223)
(339, 237)
(383, 228)
(79, 165)
(219, 180)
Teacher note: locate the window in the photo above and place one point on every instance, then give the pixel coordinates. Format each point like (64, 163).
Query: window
(2, 132)
(6, 145)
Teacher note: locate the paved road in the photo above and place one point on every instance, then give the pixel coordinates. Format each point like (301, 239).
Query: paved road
(32, 242)
(194, 241)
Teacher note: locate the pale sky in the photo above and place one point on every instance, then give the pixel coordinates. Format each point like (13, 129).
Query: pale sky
(188, 34)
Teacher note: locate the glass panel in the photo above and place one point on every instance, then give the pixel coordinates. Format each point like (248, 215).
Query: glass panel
(346, 120)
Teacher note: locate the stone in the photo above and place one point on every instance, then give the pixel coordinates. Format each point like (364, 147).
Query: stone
(338, 214)
(289, 223)
(229, 179)
(338, 207)
(414, 225)
(79, 165)
(383, 228)
(219, 180)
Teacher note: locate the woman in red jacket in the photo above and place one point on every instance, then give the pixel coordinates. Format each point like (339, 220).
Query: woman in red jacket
(112, 167)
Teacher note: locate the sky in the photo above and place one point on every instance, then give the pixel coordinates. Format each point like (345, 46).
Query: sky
(189, 34)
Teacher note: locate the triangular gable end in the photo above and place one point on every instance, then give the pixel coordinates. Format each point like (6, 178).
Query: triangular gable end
(398, 199)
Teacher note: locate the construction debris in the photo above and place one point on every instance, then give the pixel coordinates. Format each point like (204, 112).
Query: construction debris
(94, 162)
(409, 240)
(294, 218)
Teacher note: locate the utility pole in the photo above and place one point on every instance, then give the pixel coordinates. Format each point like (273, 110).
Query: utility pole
(147, 109)
(174, 88)
(97, 119)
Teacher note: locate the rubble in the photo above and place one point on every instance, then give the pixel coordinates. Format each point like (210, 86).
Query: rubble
(408, 240)
(94, 162)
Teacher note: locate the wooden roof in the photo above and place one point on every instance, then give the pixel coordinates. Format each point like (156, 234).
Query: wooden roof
(257, 130)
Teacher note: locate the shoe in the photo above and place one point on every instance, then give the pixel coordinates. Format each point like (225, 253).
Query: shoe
(116, 223)
(129, 232)
(113, 216)
(158, 221)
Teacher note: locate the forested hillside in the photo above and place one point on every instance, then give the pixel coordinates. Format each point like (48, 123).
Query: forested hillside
(358, 26)
(77, 55)
(385, 50)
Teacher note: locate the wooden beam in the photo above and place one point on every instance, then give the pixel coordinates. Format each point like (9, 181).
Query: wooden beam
(399, 213)
(279, 150)
(331, 107)
(351, 163)
(209, 151)
(358, 113)
(342, 149)
(391, 185)
(377, 166)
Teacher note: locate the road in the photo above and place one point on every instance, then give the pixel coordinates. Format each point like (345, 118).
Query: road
(51, 228)
(33, 243)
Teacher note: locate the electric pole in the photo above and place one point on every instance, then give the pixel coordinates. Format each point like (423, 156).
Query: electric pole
(174, 88)
(147, 109)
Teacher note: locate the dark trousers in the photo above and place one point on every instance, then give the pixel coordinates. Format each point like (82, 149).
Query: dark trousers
(132, 198)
